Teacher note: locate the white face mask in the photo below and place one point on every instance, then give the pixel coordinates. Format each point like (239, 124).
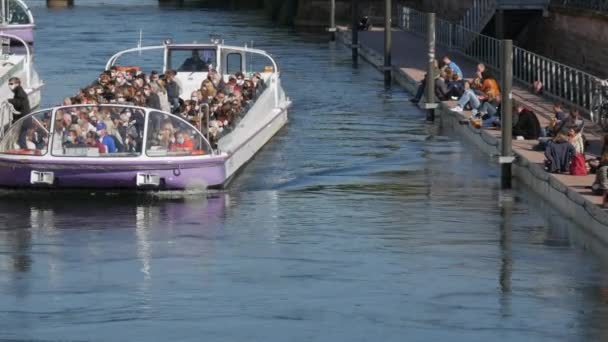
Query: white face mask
(13, 86)
(240, 82)
(121, 100)
(180, 140)
(193, 98)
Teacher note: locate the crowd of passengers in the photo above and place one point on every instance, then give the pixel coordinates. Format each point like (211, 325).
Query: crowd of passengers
(562, 140)
(222, 102)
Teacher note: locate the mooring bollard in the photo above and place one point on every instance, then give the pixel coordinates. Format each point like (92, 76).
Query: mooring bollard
(355, 31)
(388, 43)
(506, 156)
(430, 104)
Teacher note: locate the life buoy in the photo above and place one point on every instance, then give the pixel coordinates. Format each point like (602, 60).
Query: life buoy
(24, 151)
(128, 68)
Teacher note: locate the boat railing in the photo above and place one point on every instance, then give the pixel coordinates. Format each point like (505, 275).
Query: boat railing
(6, 116)
(28, 57)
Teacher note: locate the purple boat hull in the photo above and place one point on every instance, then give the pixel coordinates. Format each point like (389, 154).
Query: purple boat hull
(25, 32)
(192, 173)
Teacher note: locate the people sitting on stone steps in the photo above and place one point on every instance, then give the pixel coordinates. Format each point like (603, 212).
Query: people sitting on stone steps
(600, 166)
(448, 81)
(527, 125)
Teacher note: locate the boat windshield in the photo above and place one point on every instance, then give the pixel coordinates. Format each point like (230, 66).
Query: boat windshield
(28, 136)
(15, 12)
(108, 131)
(169, 135)
(193, 60)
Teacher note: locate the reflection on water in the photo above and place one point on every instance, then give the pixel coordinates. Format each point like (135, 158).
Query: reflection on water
(358, 222)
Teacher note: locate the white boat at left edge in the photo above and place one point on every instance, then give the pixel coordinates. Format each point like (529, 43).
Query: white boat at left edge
(16, 60)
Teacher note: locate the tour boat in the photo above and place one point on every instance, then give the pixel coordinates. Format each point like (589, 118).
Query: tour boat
(16, 60)
(34, 155)
(16, 19)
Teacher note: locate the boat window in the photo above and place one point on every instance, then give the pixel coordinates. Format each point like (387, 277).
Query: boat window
(234, 62)
(193, 60)
(17, 13)
(170, 136)
(28, 136)
(97, 131)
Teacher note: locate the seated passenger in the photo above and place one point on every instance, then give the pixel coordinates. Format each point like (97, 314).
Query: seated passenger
(30, 139)
(527, 125)
(600, 185)
(194, 63)
(455, 87)
(441, 87)
(183, 143)
(105, 139)
(573, 126)
(489, 112)
(93, 141)
(449, 64)
(489, 86)
(166, 134)
(73, 139)
(559, 153)
(468, 98)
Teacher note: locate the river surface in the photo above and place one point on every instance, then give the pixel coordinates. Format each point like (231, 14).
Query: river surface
(358, 222)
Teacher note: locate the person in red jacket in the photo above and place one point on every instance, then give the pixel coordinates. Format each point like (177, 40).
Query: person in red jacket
(182, 143)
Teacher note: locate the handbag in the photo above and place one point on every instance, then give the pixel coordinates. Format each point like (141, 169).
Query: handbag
(578, 165)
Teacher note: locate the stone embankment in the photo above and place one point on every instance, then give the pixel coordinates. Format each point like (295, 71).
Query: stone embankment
(567, 193)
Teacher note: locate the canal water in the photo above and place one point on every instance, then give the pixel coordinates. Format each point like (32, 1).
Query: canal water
(358, 222)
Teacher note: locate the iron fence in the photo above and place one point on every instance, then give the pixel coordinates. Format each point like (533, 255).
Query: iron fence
(561, 82)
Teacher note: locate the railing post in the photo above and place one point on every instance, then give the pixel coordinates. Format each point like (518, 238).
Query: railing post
(355, 31)
(387, 43)
(506, 155)
(450, 36)
(430, 77)
(332, 20)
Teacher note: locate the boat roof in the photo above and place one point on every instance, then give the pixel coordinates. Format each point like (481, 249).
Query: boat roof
(168, 45)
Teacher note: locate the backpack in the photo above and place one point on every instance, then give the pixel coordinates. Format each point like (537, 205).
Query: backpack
(578, 165)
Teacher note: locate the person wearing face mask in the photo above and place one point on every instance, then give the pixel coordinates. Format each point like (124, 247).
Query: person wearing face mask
(240, 79)
(20, 101)
(182, 143)
(73, 139)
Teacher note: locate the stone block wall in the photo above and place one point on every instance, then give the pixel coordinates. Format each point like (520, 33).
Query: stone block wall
(573, 37)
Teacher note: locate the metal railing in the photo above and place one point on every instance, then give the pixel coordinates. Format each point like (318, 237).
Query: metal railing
(6, 116)
(561, 82)
(594, 5)
(479, 15)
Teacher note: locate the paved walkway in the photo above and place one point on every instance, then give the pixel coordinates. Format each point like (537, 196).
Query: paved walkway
(409, 54)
